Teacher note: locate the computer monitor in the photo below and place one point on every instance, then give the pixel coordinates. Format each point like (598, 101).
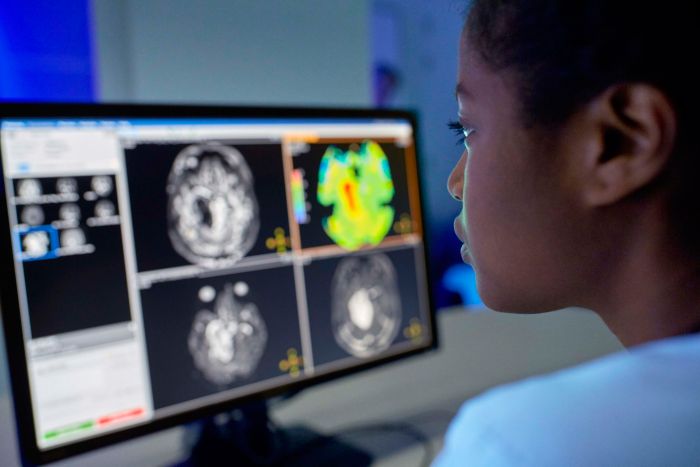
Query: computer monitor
(164, 263)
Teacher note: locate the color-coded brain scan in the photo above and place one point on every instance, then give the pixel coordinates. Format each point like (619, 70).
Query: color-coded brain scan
(228, 342)
(366, 306)
(212, 209)
(357, 184)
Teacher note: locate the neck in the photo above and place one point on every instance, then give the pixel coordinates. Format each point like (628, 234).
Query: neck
(663, 310)
(652, 292)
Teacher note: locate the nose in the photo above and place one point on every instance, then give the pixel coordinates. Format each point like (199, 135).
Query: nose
(455, 182)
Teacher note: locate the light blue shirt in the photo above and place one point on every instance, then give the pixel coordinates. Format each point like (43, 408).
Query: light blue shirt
(639, 407)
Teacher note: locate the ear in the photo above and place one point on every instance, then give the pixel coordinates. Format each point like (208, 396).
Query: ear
(635, 127)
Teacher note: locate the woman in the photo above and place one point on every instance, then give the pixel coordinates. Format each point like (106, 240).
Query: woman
(579, 187)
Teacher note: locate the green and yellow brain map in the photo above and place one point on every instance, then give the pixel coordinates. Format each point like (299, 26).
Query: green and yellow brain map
(358, 184)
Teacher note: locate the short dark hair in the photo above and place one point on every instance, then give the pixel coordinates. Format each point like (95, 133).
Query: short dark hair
(562, 53)
(567, 51)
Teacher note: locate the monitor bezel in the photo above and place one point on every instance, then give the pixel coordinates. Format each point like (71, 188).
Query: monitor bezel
(9, 301)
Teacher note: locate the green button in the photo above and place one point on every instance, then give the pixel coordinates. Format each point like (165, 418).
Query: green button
(69, 429)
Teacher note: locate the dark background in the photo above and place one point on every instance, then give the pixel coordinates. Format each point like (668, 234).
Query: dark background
(77, 292)
(312, 233)
(148, 167)
(169, 309)
(319, 275)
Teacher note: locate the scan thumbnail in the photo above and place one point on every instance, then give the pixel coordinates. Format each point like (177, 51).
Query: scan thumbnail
(208, 335)
(208, 204)
(361, 305)
(354, 194)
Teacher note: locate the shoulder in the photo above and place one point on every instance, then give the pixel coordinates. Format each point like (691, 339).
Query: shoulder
(626, 403)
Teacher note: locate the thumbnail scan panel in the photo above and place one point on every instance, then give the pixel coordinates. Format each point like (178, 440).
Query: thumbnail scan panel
(207, 335)
(206, 203)
(350, 194)
(70, 244)
(363, 304)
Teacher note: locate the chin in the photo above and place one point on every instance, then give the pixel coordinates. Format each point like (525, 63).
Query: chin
(506, 300)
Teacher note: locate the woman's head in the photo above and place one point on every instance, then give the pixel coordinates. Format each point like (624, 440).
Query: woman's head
(583, 115)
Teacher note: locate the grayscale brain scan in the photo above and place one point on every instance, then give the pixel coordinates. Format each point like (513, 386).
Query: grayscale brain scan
(29, 188)
(32, 215)
(66, 185)
(105, 208)
(69, 212)
(102, 185)
(212, 208)
(227, 342)
(366, 307)
(36, 244)
(72, 238)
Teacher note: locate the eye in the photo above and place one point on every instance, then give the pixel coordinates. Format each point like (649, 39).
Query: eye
(462, 132)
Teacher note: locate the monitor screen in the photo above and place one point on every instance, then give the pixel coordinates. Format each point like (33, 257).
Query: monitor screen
(166, 262)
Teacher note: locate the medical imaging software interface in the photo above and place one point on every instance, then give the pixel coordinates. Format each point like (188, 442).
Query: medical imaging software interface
(167, 264)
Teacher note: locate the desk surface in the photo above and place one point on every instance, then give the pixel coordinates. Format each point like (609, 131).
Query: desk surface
(479, 349)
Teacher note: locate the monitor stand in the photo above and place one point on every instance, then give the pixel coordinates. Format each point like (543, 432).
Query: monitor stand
(246, 437)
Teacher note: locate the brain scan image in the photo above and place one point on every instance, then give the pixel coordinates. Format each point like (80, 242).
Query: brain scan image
(212, 209)
(29, 188)
(226, 343)
(66, 185)
(32, 215)
(358, 184)
(36, 244)
(365, 306)
(105, 208)
(102, 185)
(71, 238)
(69, 212)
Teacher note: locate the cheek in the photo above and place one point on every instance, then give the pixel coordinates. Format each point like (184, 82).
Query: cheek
(522, 230)
(484, 201)
(503, 226)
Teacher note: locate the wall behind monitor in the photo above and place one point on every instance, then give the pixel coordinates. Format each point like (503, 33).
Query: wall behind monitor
(46, 51)
(274, 52)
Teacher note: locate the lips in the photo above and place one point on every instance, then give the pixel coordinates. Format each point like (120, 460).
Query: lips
(464, 251)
